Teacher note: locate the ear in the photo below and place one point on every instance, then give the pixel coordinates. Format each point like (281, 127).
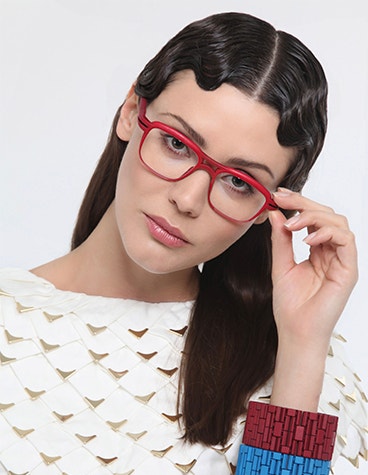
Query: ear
(128, 115)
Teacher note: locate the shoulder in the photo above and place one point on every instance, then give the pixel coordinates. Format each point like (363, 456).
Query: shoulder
(22, 292)
(22, 284)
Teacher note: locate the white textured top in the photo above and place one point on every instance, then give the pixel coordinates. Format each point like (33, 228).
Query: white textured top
(88, 385)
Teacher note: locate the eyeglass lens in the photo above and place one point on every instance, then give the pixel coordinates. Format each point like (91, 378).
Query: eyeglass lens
(171, 158)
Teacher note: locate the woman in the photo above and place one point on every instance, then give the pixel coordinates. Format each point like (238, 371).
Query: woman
(122, 356)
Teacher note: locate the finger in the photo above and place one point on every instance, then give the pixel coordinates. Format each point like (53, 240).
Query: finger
(291, 200)
(342, 239)
(314, 219)
(336, 237)
(282, 247)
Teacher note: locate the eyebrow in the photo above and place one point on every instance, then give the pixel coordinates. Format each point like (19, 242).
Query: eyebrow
(242, 163)
(200, 141)
(195, 136)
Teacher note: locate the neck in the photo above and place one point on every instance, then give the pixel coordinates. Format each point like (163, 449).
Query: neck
(100, 266)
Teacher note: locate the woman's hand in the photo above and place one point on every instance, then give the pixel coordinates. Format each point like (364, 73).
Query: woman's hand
(308, 297)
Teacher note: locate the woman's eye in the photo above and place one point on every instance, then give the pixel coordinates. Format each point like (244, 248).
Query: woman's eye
(238, 182)
(237, 185)
(173, 147)
(176, 146)
(176, 143)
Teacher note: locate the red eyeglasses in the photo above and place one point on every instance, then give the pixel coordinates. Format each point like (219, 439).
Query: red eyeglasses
(172, 156)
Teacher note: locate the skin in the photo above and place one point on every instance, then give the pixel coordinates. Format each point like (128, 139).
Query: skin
(308, 297)
(184, 204)
(121, 258)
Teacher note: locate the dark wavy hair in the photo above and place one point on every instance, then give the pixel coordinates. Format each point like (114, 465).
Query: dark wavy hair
(231, 342)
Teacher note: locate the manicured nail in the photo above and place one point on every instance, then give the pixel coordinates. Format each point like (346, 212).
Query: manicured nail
(282, 192)
(309, 238)
(292, 221)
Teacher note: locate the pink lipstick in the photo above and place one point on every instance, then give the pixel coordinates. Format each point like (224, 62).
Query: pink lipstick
(163, 232)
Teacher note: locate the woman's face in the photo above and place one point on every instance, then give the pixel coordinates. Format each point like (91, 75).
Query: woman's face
(169, 226)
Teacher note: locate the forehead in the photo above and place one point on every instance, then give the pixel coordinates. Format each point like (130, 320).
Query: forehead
(232, 124)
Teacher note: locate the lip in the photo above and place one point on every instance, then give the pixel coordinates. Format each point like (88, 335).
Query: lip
(163, 232)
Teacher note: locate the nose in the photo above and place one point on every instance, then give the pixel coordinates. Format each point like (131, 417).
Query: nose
(190, 194)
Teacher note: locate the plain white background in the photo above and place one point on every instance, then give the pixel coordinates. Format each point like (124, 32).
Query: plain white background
(66, 65)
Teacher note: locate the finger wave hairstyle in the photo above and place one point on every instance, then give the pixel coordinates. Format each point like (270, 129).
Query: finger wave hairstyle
(231, 342)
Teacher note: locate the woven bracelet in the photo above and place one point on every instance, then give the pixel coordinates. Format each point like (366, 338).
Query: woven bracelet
(254, 461)
(290, 431)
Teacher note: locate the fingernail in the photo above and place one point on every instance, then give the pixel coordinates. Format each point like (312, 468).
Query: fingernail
(292, 221)
(282, 192)
(309, 238)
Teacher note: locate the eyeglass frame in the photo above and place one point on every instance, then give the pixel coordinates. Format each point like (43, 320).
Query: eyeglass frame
(205, 162)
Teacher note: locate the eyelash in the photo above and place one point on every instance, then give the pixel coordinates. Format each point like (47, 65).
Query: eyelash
(166, 138)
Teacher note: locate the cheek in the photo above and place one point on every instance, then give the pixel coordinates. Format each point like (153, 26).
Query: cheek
(242, 230)
(128, 175)
(224, 237)
(124, 179)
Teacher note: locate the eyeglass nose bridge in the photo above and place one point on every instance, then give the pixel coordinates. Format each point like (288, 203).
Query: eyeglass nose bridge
(207, 164)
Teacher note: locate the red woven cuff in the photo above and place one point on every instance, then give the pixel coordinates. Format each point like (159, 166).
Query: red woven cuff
(290, 431)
